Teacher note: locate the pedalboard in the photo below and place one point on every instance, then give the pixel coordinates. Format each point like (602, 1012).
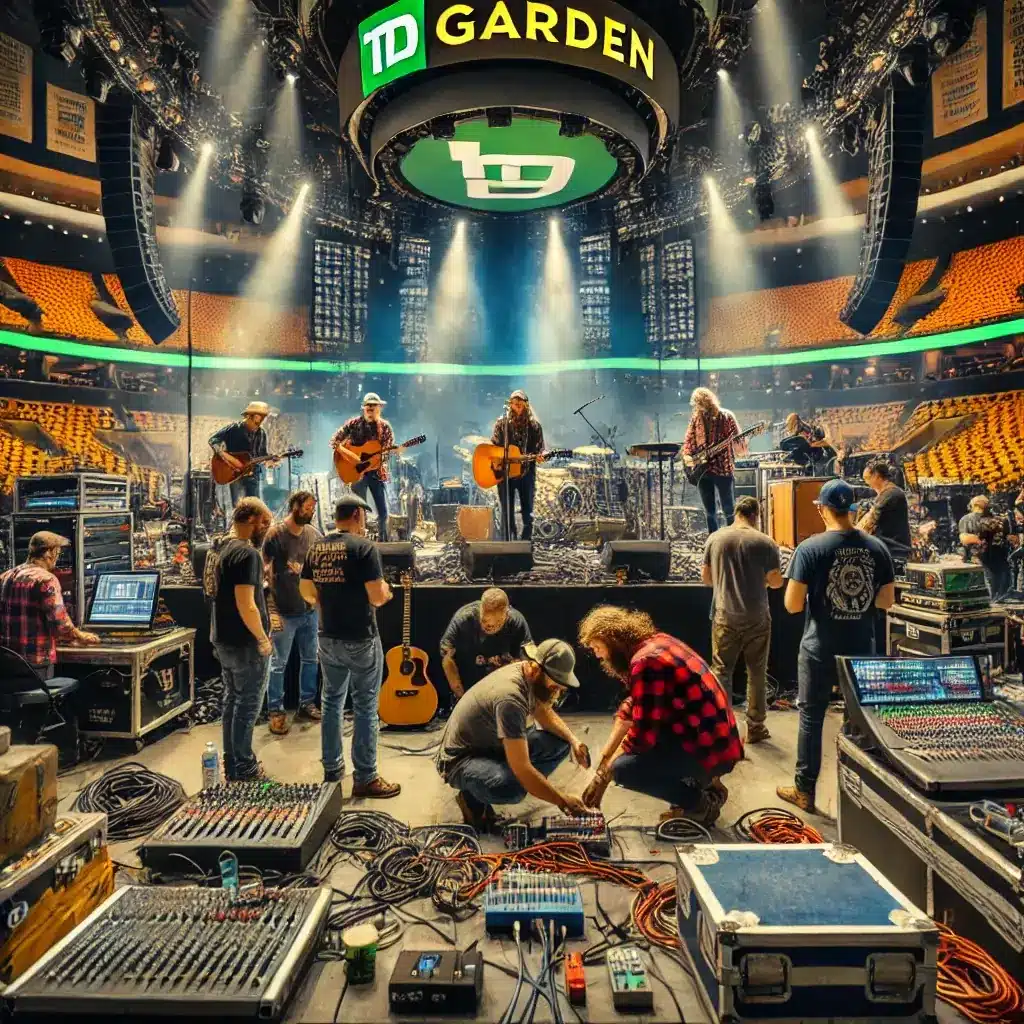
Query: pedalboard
(575, 980)
(437, 982)
(631, 987)
(589, 830)
(527, 896)
(264, 824)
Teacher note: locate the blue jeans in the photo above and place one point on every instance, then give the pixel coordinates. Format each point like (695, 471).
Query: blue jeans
(491, 781)
(302, 629)
(524, 486)
(674, 777)
(247, 487)
(373, 483)
(999, 578)
(815, 680)
(707, 485)
(244, 672)
(360, 664)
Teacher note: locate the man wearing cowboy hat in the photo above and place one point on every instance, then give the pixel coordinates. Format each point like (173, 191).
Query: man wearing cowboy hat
(519, 427)
(244, 436)
(370, 426)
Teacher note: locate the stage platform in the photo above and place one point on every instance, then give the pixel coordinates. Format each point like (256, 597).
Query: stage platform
(682, 609)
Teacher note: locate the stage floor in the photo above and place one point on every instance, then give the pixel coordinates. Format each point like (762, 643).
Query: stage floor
(426, 800)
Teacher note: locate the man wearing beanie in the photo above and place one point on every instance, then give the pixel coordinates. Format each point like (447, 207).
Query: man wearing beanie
(840, 576)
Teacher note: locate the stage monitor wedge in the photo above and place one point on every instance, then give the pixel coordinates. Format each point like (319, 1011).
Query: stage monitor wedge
(494, 559)
(650, 559)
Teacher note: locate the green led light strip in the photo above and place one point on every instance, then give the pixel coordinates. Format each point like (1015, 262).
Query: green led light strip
(155, 356)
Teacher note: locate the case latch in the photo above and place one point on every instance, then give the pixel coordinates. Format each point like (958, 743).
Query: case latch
(892, 977)
(765, 978)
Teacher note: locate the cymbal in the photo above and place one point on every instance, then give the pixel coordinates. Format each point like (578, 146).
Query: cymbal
(585, 466)
(656, 449)
(463, 453)
(474, 440)
(591, 451)
(454, 482)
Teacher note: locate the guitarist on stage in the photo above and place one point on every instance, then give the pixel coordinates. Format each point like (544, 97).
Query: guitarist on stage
(519, 427)
(710, 424)
(371, 426)
(245, 435)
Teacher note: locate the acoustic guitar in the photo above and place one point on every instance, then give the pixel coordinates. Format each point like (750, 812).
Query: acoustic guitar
(488, 460)
(225, 474)
(371, 456)
(698, 466)
(407, 696)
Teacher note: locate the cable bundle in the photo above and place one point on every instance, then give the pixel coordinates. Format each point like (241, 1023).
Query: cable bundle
(775, 825)
(654, 915)
(135, 800)
(541, 986)
(974, 984)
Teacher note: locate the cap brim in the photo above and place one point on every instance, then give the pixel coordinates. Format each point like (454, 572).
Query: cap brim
(531, 652)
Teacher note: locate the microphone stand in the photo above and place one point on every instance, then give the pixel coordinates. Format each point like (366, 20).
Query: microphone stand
(615, 453)
(509, 512)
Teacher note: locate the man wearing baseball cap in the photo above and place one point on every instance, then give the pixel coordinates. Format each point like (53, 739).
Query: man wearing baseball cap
(244, 436)
(518, 427)
(489, 753)
(841, 576)
(357, 431)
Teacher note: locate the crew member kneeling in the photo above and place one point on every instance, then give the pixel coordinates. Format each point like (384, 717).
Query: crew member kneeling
(490, 755)
(675, 733)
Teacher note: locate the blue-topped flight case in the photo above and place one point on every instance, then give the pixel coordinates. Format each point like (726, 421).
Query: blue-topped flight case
(792, 934)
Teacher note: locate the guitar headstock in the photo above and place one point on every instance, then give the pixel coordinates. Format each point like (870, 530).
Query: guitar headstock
(412, 442)
(293, 453)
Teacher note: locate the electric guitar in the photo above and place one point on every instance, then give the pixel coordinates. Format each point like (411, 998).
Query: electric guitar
(371, 457)
(488, 460)
(698, 464)
(407, 696)
(225, 474)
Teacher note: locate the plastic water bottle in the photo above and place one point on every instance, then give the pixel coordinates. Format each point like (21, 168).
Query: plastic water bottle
(211, 766)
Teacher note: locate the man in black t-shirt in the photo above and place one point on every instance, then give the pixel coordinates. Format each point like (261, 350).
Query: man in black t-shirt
(888, 518)
(343, 576)
(481, 637)
(238, 632)
(987, 537)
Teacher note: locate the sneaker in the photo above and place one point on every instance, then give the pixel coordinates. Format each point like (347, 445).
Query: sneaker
(260, 775)
(308, 713)
(279, 723)
(757, 732)
(797, 797)
(379, 789)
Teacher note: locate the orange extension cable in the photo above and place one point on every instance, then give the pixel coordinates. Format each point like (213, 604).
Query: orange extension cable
(974, 984)
(775, 825)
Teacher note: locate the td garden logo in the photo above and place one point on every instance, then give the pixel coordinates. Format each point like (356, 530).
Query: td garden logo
(526, 166)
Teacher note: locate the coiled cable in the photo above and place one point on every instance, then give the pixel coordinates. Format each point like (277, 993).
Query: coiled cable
(135, 800)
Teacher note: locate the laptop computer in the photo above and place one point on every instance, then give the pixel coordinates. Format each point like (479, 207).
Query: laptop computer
(123, 603)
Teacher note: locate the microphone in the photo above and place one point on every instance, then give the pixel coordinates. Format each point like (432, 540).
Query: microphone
(584, 406)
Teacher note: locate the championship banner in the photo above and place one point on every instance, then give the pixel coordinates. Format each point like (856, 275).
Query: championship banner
(960, 86)
(70, 123)
(15, 89)
(1013, 52)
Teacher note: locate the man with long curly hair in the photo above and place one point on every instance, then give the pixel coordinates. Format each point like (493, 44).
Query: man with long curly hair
(675, 733)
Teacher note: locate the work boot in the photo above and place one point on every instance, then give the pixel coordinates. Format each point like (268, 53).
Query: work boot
(308, 713)
(478, 816)
(279, 723)
(379, 789)
(797, 797)
(757, 732)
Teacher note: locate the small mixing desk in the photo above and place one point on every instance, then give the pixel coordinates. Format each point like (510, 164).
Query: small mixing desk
(131, 684)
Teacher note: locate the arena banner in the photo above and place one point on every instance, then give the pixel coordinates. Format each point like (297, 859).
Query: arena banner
(960, 86)
(599, 35)
(15, 89)
(1013, 52)
(70, 123)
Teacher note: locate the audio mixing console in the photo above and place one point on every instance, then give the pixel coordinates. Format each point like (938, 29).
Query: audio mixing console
(527, 896)
(167, 951)
(264, 824)
(932, 719)
(589, 830)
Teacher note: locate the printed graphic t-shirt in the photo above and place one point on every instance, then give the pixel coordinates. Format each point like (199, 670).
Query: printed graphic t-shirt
(843, 571)
(341, 565)
(478, 653)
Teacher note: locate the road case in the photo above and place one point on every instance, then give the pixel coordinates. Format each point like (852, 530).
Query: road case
(131, 687)
(916, 632)
(797, 934)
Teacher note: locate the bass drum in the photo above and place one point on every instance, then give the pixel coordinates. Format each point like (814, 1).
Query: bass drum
(570, 499)
(548, 530)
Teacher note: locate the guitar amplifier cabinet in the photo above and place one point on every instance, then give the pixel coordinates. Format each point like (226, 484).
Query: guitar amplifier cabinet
(920, 632)
(791, 510)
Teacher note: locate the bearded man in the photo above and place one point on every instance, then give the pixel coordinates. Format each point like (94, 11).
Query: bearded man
(520, 428)
(674, 735)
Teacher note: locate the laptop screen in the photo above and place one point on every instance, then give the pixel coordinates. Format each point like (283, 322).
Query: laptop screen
(911, 681)
(126, 599)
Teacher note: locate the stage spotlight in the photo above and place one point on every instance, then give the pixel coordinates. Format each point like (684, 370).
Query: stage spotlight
(709, 183)
(572, 126)
(810, 135)
(291, 78)
(304, 190)
(60, 30)
(98, 81)
(722, 73)
(499, 117)
(206, 149)
(166, 158)
(253, 208)
(443, 128)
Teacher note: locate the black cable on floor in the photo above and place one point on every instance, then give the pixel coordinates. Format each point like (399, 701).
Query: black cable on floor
(135, 799)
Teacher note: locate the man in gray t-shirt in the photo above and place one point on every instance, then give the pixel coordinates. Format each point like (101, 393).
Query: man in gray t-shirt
(740, 562)
(490, 753)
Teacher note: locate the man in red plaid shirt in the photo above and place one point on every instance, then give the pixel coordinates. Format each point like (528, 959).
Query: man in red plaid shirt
(32, 612)
(675, 733)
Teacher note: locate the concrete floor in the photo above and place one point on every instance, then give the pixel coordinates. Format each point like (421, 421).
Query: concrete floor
(426, 800)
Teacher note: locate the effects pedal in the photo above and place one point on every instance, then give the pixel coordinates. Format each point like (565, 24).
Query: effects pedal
(525, 896)
(575, 980)
(631, 989)
(436, 983)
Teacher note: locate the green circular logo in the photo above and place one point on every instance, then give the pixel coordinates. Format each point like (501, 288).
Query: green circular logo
(526, 166)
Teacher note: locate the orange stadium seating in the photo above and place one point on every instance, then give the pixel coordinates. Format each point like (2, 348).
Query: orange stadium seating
(865, 428)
